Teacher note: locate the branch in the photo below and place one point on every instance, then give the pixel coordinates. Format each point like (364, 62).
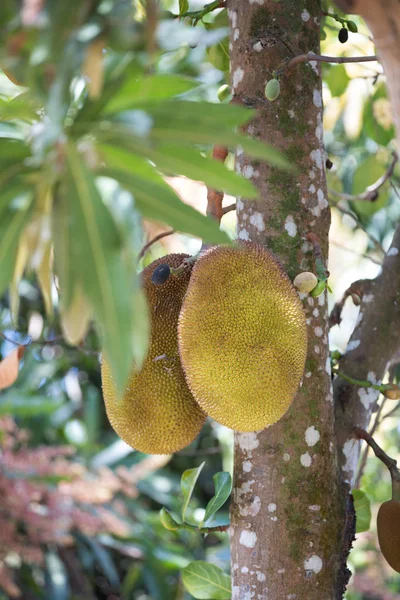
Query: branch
(227, 209)
(390, 463)
(197, 15)
(371, 193)
(309, 57)
(383, 388)
(356, 291)
(153, 241)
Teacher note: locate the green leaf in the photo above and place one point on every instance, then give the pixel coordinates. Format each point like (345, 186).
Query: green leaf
(158, 202)
(218, 55)
(368, 172)
(20, 107)
(377, 117)
(16, 404)
(13, 219)
(337, 80)
(148, 89)
(108, 279)
(206, 581)
(183, 6)
(188, 481)
(223, 486)
(362, 507)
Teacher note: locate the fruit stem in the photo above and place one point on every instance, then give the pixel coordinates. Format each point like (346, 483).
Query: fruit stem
(389, 462)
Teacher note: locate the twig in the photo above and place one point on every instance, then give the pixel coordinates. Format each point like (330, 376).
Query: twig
(227, 209)
(351, 251)
(215, 197)
(356, 289)
(370, 193)
(197, 15)
(322, 272)
(390, 463)
(350, 214)
(151, 14)
(153, 241)
(383, 388)
(309, 57)
(364, 455)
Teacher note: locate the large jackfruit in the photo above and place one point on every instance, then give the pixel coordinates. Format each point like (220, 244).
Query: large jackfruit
(242, 336)
(388, 526)
(157, 413)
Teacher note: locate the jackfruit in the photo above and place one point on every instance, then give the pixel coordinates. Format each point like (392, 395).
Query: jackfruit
(242, 336)
(157, 413)
(388, 526)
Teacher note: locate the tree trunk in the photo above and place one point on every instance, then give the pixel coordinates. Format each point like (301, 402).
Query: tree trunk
(288, 534)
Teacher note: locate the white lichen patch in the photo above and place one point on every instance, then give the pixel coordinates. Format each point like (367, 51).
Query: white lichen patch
(353, 345)
(236, 34)
(260, 2)
(251, 509)
(314, 563)
(305, 15)
(248, 538)
(291, 113)
(274, 518)
(312, 189)
(286, 457)
(239, 205)
(248, 442)
(247, 466)
(257, 220)
(308, 374)
(318, 331)
(367, 396)
(314, 507)
(312, 436)
(243, 235)
(260, 576)
(244, 570)
(237, 77)
(317, 98)
(290, 226)
(321, 299)
(317, 157)
(317, 349)
(328, 366)
(393, 252)
(257, 47)
(281, 571)
(322, 201)
(350, 451)
(315, 312)
(232, 14)
(272, 507)
(306, 460)
(248, 171)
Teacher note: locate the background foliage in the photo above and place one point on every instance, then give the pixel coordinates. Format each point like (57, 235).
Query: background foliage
(80, 510)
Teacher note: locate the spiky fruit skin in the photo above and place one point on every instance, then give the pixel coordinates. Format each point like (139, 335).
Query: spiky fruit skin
(388, 526)
(157, 413)
(242, 337)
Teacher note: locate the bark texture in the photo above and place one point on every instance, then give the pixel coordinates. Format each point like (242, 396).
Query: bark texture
(288, 539)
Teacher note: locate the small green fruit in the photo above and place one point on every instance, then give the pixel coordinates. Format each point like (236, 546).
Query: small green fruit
(322, 35)
(319, 289)
(272, 90)
(223, 92)
(352, 26)
(167, 521)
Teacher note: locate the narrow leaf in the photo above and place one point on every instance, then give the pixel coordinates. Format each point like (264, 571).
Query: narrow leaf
(93, 67)
(108, 280)
(75, 319)
(45, 277)
(206, 581)
(362, 507)
(9, 367)
(223, 486)
(188, 481)
(158, 202)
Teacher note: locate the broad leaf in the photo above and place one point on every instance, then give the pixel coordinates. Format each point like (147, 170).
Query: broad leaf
(188, 481)
(20, 405)
(183, 6)
(368, 172)
(158, 202)
(9, 367)
(362, 507)
(107, 279)
(337, 80)
(223, 486)
(148, 89)
(206, 581)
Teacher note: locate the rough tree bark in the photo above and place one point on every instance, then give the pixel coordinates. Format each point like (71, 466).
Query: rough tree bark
(292, 515)
(288, 511)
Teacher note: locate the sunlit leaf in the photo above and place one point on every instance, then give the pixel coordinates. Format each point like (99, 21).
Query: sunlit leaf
(206, 581)
(76, 318)
(337, 79)
(368, 172)
(93, 67)
(223, 486)
(9, 367)
(183, 6)
(188, 481)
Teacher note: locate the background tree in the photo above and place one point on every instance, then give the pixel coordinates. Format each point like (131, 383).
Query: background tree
(103, 117)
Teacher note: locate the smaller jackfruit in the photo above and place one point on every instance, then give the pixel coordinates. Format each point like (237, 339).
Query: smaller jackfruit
(157, 414)
(305, 282)
(388, 526)
(242, 336)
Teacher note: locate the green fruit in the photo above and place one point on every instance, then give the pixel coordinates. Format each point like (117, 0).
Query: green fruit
(388, 526)
(242, 336)
(167, 521)
(352, 26)
(272, 90)
(319, 289)
(305, 282)
(223, 92)
(157, 413)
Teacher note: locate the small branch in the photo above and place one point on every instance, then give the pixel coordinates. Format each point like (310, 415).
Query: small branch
(151, 14)
(383, 388)
(356, 290)
(390, 463)
(153, 241)
(322, 272)
(197, 15)
(215, 197)
(371, 193)
(227, 209)
(203, 529)
(309, 57)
